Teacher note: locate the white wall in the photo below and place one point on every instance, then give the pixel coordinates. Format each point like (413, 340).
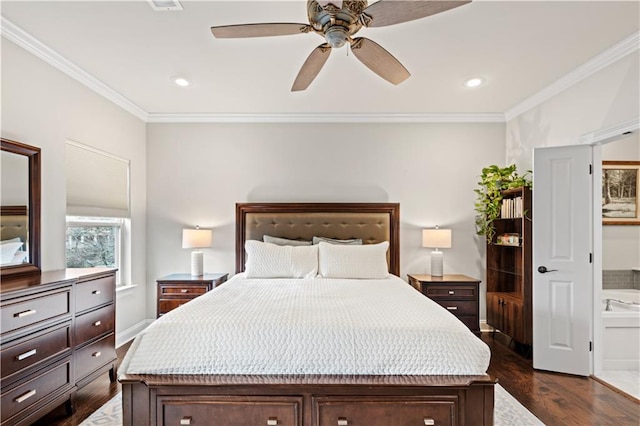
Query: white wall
(606, 98)
(197, 172)
(43, 107)
(621, 243)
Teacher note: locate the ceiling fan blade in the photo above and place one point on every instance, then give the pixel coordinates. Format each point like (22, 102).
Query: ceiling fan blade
(378, 60)
(390, 12)
(311, 67)
(259, 30)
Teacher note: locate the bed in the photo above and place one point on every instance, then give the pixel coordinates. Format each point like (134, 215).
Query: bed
(14, 235)
(366, 362)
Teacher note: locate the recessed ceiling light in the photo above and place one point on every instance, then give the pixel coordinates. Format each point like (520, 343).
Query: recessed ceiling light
(181, 81)
(474, 82)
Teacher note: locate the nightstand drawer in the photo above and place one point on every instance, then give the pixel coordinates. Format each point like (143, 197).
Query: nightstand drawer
(458, 307)
(451, 292)
(178, 290)
(166, 305)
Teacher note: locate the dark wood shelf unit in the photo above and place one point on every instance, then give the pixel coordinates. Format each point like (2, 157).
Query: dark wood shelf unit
(509, 274)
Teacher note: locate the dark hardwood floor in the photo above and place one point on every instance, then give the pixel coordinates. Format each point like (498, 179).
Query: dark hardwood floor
(556, 399)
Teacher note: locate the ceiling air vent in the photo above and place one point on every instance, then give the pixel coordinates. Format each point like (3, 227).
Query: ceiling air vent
(165, 5)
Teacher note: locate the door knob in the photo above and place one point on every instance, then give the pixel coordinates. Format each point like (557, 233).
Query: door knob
(544, 270)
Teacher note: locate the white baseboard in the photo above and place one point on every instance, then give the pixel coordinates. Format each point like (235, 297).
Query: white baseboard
(484, 327)
(131, 332)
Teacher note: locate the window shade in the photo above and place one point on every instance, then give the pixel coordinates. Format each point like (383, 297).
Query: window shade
(97, 182)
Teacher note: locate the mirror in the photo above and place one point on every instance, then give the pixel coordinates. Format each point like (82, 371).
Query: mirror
(19, 209)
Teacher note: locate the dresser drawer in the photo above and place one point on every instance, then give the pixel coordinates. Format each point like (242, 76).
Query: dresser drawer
(385, 411)
(459, 307)
(231, 411)
(92, 293)
(36, 388)
(35, 349)
(95, 355)
(187, 290)
(27, 311)
(94, 324)
(451, 292)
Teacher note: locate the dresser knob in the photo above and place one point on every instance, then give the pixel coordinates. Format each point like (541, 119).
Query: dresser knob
(96, 354)
(186, 420)
(272, 421)
(342, 421)
(184, 290)
(25, 396)
(429, 422)
(96, 292)
(97, 323)
(24, 313)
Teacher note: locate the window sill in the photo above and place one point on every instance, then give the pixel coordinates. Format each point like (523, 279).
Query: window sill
(124, 290)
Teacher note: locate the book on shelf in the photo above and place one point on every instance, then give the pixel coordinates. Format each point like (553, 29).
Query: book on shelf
(511, 208)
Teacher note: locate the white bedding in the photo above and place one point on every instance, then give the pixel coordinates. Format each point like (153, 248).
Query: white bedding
(308, 326)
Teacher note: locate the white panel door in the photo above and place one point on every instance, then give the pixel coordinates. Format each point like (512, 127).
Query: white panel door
(562, 259)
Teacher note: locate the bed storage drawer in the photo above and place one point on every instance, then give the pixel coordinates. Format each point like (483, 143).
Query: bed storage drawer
(57, 379)
(94, 324)
(230, 411)
(365, 411)
(33, 309)
(95, 292)
(35, 349)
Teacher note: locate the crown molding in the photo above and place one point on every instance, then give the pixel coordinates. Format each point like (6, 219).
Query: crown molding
(602, 60)
(326, 118)
(17, 35)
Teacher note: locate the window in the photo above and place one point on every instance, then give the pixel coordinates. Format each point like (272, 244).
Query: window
(95, 242)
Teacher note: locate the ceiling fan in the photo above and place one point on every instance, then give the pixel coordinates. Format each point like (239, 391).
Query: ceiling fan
(337, 21)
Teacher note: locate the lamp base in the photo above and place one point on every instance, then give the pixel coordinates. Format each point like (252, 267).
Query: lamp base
(197, 268)
(437, 259)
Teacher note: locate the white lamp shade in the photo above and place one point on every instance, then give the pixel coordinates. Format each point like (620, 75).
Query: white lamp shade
(436, 238)
(196, 238)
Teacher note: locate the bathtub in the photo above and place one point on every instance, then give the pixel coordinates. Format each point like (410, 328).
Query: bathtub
(621, 330)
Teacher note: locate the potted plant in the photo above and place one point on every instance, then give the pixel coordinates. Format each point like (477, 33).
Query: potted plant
(493, 181)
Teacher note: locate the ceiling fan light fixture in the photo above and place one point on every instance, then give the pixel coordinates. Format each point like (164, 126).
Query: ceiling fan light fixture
(181, 81)
(337, 36)
(474, 82)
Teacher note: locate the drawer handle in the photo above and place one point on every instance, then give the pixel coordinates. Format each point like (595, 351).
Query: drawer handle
(25, 396)
(452, 292)
(24, 313)
(26, 354)
(342, 421)
(272, 421)
(429, 422)
(97, 323)
(452, 308)
(96, 292)
(96, 354)
(184, 290)
(186, 420)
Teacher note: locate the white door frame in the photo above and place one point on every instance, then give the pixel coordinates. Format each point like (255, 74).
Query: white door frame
(597, 139)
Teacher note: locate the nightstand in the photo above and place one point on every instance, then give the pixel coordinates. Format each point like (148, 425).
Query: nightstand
(459, 294)
(177, 289)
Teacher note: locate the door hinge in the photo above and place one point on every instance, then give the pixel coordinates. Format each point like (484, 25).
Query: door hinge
(590, 169)
(590, 257)
(590, 346)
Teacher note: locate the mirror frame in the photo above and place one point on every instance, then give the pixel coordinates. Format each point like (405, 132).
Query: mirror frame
(33, 156)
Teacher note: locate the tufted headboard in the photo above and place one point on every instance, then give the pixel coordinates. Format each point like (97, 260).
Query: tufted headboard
(371, 222)
(14, 223)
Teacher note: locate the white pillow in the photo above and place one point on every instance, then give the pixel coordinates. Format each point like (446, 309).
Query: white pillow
(19, 257)
(368, 261)
(8, 250)
(284, 241)
(265, 260)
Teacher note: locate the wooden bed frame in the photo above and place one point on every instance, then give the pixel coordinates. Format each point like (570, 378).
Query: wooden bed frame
(306, 400)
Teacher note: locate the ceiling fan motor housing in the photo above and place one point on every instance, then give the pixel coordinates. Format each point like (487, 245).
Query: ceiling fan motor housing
(337, 24)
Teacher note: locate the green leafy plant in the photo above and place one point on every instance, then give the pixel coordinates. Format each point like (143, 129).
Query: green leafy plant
(493, 181)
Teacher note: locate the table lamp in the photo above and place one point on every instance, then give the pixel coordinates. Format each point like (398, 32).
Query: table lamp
(196, 239)
(436, 238)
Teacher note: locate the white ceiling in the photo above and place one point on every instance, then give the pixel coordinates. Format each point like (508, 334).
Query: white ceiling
(519, 47)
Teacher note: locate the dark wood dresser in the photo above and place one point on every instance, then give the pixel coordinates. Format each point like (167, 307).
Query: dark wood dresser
(459, 294)
(57, 334)
(177, 289)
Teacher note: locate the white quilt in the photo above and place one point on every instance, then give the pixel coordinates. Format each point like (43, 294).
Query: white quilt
(309, 326)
